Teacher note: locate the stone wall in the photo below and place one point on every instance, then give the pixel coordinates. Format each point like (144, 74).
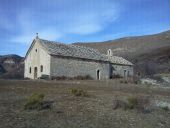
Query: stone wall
(122, 70)
(71, 67)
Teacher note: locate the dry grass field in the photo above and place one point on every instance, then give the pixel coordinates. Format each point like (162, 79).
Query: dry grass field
(69, 111)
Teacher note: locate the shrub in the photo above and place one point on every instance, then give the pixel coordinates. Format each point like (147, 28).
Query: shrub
(166, 108)
(79, 77)
(132, 102)
(124, 81)
(87, 77)
(59, 78)
(136, 81)
(140, 103)
(78, 92)
(35, 101)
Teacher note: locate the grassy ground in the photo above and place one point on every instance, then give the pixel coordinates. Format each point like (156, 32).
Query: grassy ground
(68, 111)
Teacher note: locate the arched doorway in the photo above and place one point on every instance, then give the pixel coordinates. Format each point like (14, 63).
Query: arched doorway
(98, 74)
(124, 73)
(35, 73)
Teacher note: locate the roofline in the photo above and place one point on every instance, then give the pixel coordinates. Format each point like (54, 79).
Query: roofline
(122, 64)
(90, 59)
(107, 61)
(33, 42)
(80, 58)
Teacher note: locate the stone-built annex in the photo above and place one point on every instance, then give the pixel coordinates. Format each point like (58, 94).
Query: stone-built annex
(52, 59)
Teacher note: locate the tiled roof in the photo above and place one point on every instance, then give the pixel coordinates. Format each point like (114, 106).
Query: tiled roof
(56, 48)
(119, 60)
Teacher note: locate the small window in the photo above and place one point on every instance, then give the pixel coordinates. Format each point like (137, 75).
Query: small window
(128, 74)
(124, 73)
(30, 70)
(41, 68)
(36, 50)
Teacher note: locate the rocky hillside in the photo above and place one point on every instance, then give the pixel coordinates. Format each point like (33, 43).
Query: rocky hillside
(11, 66)
(150, 54)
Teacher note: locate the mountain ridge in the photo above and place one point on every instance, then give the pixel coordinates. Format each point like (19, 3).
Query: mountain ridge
(11, 66)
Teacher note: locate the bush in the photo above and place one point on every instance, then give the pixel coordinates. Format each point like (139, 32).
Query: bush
(166, 108)
(35, 101)
(87, 77)
(78, 92)
(132, 102)
(59, 78)
(124, 81)
(140, 103)
(136, 82)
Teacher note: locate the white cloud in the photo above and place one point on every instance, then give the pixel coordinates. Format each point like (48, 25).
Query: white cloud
(91, 17)
(29, 26)
(50, 34)
(27, 38)
(57, 20)
(86, 29)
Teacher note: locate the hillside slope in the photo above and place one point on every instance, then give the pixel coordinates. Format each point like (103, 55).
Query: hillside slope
(149, 52)
(132, 45)
(11, 66)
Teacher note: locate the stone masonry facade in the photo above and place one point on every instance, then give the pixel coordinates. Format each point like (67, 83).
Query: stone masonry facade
(54, 59)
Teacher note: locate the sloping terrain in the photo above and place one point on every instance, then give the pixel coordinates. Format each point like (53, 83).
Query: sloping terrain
(139, 50)
(11, 66)
(154, 62)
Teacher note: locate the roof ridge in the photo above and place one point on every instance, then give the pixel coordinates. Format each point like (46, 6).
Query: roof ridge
(58, 48)
(54, 42)
(48, 41)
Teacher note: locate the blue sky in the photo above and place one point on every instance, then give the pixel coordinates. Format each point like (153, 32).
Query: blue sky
(71, 21)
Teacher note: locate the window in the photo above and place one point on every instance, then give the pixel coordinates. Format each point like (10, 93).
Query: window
(36, 50)
(41, 68)
(124, 73)
(30, 70)
(128, 74)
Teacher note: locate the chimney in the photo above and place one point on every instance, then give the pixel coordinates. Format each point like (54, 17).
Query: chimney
(37, 36)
